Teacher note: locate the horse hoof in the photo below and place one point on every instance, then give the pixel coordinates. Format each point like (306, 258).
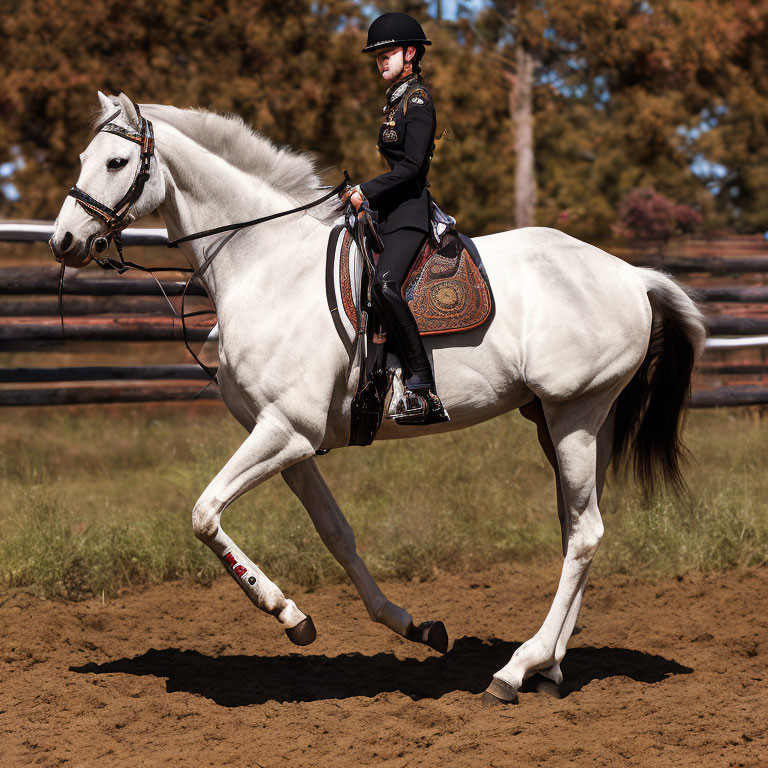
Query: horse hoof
(304, 633)
(431, 633)
(499, 692)
(437, 636)
(541, 684)
(489, 700)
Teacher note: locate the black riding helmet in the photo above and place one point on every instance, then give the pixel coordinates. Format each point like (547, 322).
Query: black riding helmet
(395, 29)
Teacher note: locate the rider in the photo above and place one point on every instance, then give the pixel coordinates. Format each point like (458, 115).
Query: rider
(400, 198)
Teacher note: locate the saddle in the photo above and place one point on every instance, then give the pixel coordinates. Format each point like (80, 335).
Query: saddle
(447, 290)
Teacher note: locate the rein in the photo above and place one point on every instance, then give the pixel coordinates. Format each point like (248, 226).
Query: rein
(118, 218)
(253, 222)
(209, 259)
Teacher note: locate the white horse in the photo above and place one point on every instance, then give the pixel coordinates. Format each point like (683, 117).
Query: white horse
(597, 352)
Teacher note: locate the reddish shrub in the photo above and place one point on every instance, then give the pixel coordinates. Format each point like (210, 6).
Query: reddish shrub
(645, 214)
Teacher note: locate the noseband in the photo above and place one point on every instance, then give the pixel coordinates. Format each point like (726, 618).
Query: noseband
(118, 218)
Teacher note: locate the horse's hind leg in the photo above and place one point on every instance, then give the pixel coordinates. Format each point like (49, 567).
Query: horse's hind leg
(305, 480)
(268, 449)
(574, 427)
(535, 413)
(604, 451)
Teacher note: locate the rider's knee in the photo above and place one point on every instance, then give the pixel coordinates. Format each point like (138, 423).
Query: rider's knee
(205, 518)
(378, 285)
(386, 291)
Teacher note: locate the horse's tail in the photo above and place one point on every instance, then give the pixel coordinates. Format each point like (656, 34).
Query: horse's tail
(650, 409)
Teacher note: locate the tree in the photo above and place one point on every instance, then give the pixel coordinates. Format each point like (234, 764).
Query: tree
(503, 27)
(270, 62)
(620, 91)
(731, 137)
(622, 94)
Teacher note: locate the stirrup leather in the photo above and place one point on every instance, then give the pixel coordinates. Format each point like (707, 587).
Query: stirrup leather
(419, 406)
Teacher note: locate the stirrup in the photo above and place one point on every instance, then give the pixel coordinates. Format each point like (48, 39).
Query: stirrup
(419, 407)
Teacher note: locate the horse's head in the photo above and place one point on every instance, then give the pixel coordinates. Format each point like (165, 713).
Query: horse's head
(120, 180)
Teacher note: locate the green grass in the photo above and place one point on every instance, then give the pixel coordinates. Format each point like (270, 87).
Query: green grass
(100, 499)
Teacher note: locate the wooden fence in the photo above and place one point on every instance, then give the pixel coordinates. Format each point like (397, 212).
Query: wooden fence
(99, 308)
(104, 307)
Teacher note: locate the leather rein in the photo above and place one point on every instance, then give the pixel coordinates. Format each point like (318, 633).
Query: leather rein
(118, 218)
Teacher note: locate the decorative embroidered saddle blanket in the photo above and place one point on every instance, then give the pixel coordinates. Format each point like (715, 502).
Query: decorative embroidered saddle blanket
(447, 288)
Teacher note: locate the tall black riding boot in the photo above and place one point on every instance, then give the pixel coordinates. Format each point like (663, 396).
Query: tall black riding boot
(421, 405)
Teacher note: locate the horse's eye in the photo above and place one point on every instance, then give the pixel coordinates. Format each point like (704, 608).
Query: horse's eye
(116, 162)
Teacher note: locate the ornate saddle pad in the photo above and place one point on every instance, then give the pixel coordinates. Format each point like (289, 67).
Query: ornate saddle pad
(447, 290)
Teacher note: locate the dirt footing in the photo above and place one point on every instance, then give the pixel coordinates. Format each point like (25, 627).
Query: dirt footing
(671, 673)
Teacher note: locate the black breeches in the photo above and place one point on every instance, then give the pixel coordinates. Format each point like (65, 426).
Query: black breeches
(400, 249)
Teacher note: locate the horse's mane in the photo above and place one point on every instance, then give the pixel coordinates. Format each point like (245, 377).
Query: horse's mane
(228, 136)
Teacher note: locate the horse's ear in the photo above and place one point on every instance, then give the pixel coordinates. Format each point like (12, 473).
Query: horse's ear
(107, 104)
(128, 111)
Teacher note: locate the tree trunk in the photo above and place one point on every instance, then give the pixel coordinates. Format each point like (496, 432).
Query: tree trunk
(522, 118)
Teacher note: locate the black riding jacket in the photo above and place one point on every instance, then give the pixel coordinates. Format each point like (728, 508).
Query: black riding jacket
(406, 141)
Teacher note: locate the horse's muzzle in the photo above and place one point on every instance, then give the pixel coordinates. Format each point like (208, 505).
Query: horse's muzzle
(75, 255)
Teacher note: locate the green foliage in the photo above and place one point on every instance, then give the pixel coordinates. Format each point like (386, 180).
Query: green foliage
(99, 500)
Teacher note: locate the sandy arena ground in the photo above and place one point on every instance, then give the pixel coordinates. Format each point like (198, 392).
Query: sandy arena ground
(665, 674)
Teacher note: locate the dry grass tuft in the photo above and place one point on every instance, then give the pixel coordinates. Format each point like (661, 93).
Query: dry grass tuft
(97, 500)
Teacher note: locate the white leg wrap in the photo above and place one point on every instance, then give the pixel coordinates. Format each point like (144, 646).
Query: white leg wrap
(262, 592)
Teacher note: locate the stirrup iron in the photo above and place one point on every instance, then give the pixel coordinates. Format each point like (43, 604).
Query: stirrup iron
(419, 407)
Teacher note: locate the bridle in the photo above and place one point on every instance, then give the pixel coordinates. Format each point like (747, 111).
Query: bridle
(118, 218)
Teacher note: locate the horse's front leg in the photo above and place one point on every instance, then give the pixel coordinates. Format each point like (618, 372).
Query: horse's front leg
(305, 480)
(270, 448)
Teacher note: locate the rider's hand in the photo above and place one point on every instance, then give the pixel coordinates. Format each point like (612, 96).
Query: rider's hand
(353, 196)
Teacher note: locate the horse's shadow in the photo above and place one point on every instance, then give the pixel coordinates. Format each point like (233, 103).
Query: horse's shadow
(235, 681)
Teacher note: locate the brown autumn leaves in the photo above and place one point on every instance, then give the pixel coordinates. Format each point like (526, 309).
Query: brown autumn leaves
(626, 96)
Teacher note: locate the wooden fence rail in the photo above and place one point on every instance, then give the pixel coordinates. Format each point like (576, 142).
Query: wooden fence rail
(45, 280)
(107, 307)
(103, 373)
(15, 331)
(728, 325)
(42, 231)
(714, 266)
(735, 294)
(78, 306)
(729, 396)
(105, 394)
(734, 369)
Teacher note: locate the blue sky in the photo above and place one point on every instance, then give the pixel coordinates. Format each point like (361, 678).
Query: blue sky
(7, 189)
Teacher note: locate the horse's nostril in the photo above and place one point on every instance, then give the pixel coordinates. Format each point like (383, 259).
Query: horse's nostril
(66, 242)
